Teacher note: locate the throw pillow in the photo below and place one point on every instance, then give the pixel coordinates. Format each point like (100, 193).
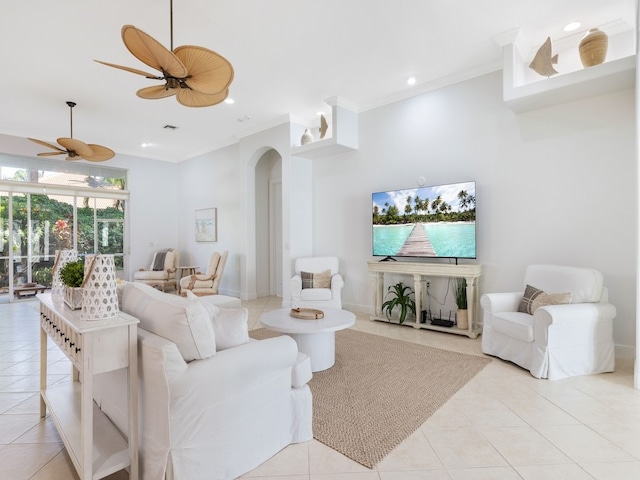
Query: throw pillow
(535, 298)
(172, 317)
(316, 280)
(230, 325)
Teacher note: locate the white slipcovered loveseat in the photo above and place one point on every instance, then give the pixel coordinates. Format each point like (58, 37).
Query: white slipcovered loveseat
(213, 403)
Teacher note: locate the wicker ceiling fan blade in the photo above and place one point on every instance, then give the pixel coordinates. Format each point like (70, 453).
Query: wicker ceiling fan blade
(75, 147)
(151, 52)
(191, 98)
(51, 154)
(100, 153)
(154, 93)
(209, 72)
(132, 70)
(47, 144)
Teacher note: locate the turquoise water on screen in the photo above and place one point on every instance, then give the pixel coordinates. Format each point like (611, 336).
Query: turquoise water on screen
(448, 239)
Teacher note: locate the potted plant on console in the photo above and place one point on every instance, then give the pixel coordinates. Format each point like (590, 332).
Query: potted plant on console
(460, 293)
(401, 298)
(72, 276)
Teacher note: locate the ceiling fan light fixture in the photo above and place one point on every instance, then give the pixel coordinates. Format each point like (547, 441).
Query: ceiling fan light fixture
(75, 149)
(199, 77)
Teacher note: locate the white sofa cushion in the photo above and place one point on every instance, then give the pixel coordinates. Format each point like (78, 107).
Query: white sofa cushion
(230, 325)
(177, 319)
(152, 275)
(516, 325)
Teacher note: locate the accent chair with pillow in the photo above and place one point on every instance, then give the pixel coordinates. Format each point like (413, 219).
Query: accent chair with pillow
(213, 403)
(317, 283)
(559, 325)
(162, 271)
(207, 283)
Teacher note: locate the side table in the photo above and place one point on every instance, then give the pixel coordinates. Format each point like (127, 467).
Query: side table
(183, 272)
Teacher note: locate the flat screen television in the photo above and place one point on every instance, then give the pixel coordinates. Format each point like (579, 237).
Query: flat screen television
(437, 221)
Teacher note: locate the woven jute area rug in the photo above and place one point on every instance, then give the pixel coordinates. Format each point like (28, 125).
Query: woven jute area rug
(380, 391)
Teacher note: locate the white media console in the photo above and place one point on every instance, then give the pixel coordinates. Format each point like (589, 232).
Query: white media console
(421, 271)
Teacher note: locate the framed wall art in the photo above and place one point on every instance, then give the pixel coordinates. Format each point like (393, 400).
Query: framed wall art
(207, 225)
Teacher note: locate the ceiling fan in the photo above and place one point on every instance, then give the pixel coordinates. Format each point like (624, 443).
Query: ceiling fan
(75, 149)
(198, 77)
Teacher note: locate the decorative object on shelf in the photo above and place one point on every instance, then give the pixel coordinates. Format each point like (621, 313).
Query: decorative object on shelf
(593, 48)
(197, 76)
(75, 149)
(62, 258)
(100, 296)
(72, 276)
(207, 225)
(307, 313)
(307, 137)
(460, 294)
(543, 61)
(401, 298)
(324, 126)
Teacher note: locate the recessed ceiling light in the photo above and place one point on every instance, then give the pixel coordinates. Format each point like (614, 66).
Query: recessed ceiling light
(229, 101)
(570, 27)
(411, 80)
(145, 145)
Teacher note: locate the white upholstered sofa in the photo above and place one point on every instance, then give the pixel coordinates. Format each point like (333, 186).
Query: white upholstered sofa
(570, 329)
(213, 404)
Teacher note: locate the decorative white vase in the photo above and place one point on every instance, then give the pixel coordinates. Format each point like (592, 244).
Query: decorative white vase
(62, 258)
(100, 296)
(593, 48)
(307, 137)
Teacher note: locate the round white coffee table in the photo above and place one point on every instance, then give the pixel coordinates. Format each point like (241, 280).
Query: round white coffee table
(316, 338)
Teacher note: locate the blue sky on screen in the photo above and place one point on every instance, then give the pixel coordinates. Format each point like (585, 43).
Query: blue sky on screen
(449, 194)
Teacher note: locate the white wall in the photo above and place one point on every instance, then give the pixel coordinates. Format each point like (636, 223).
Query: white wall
(152, 209)
(553, 186)
(214, 180)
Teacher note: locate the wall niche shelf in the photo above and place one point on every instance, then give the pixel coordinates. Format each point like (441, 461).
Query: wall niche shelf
(344, 132)
(522, 95)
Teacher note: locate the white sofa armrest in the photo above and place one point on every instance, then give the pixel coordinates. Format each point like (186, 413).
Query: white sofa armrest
(566, 317)
(492, 303)
(337, 282)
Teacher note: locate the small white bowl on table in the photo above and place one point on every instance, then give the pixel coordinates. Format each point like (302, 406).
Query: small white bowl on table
(316, 338)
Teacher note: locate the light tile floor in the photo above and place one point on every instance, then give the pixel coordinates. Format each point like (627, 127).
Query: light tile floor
(504, 424)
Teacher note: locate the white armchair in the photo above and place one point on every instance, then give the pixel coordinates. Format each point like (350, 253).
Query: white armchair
(207, 283)
(162, 271)
(317, 283)
(565, 330)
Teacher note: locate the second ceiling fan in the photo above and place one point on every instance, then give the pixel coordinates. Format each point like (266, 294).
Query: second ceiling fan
(75, 149)
(197, 76)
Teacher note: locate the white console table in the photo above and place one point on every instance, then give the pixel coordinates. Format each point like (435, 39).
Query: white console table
(421, 271)
(95, 446)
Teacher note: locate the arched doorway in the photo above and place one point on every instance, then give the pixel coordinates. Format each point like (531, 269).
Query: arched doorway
(268, 224)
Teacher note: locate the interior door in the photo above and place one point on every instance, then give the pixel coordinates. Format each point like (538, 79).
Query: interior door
(275, 222)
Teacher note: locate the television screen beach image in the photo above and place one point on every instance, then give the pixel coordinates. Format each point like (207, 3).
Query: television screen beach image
(436, 221)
